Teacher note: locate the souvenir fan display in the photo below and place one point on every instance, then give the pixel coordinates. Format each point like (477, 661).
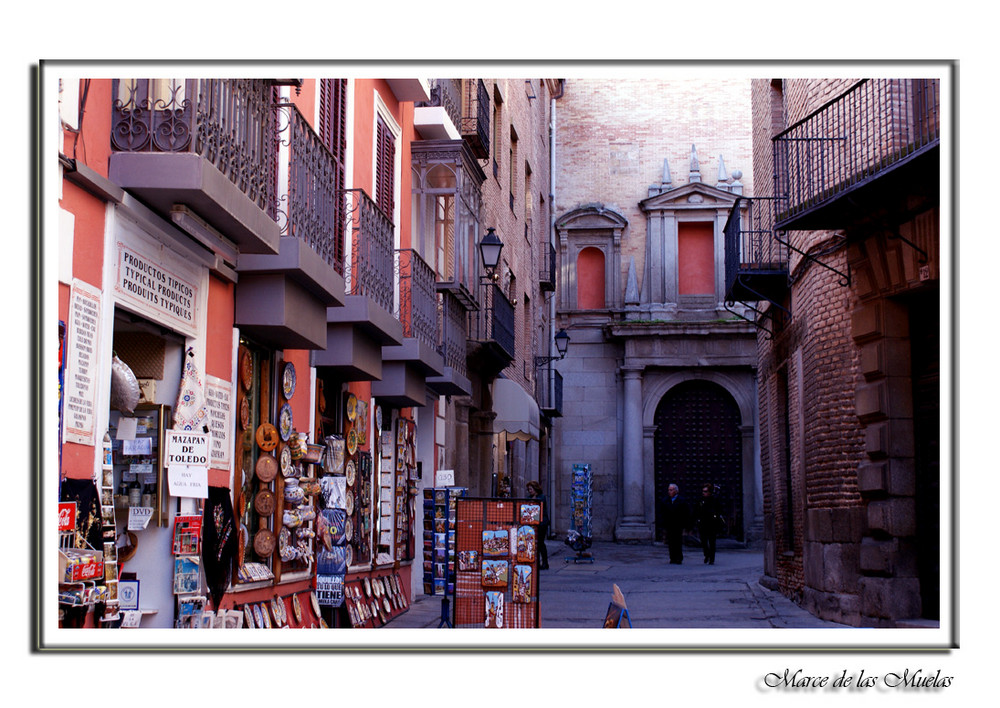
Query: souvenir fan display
(191, 412)
(219, 542)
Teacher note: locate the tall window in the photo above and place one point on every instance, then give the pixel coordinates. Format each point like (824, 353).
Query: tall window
(590, 279)
(695, 258)
(385, 158)
(333, 133)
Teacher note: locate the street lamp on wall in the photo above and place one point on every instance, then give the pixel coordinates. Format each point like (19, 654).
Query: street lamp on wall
(562, 344)
(489, 251)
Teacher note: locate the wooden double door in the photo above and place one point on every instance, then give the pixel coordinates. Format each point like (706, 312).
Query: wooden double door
(697, 442)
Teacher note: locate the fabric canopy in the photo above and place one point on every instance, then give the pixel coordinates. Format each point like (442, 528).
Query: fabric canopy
(517, 412)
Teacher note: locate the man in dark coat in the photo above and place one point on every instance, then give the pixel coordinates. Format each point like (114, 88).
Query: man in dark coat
(676, 518)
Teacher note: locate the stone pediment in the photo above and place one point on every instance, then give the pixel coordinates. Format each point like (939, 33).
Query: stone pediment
(592, 216)
(694, 195)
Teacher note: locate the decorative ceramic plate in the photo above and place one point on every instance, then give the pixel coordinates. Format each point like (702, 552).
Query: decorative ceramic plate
(266, 615)
(276, 611)
(351, 470)
(378, 418)
(350, 556)
(244, 412)
(376, 588)
(386, 605)
(296, 608)
(257, 617)
(284, 538)
(248, 616)
(314, 602)
(348, 530)
(368, 588)
(267, 437)
(263, 543)
(285, 422)
(352, 441)
(263, 503)
(267, 468)
(244, 542)
(352, 407)
(285, 458)
(349, 503)
(246, 369)
(288, 380)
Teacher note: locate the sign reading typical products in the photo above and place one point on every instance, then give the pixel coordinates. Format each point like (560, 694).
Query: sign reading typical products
(187, 463)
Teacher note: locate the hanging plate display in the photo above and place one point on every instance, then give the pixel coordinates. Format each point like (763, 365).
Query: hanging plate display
(348, 530)
(386, 605)
(275, 611)
(284, 538)
(267, 437)
(266, 615)
(352, 407)
(285, 459)
(246, 369)
(349, 503)
(244, 412)
(248, 616)
(352, 441)
(264, 502)
(350, 556)
(314, 602)
(285, 422)
(267, 468)
(368, 587)
(351, 472)
(263, 543)
(257, 617)
(296, 608)
(288, 380)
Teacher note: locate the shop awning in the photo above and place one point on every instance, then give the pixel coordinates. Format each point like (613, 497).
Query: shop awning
(517, 411)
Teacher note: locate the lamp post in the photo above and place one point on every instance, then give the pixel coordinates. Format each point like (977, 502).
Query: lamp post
(489, 251)
(562, 344)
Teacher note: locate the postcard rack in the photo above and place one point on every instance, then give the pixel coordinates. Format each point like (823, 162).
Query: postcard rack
(497, 563)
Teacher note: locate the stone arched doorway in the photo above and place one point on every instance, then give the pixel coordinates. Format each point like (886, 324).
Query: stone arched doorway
(697, 440)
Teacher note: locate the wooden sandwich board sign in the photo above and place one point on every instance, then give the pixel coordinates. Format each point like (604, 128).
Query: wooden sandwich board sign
(617, 611)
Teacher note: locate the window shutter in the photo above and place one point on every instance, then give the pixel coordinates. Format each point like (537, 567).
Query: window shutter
(333, 133)
(385, 153)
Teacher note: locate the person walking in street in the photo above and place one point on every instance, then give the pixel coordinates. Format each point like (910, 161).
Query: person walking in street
(676, 517)
(708, 518)
(535, 492)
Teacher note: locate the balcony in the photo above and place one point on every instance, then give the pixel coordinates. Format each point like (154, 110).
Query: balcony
(283, 298)
(549, 391)
(207, 145)
(870, 154)
(453, 331)
(756, 261)
(547, 269)
(357, 331)
(476, 118)
(405, 366)
(491, 330)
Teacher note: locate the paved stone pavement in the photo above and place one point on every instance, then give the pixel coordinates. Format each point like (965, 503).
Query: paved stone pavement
(692, 595)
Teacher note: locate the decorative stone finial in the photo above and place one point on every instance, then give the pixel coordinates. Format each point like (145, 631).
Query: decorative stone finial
(694, 174)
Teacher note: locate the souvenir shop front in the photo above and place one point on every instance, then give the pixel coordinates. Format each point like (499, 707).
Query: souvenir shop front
(146, 387)
(368, 484)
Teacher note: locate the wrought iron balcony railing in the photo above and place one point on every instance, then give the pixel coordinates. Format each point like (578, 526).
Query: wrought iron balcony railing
(476, 119)
(547, 269)
(549, 391)
(495, 321)
(310, 207)
(370, 271)
(228, 122)
(876, 126)
(417, 298)
(756, 260)
(446, 94)
(453, 330)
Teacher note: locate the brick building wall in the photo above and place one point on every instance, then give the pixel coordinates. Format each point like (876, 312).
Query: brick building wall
(841, 511)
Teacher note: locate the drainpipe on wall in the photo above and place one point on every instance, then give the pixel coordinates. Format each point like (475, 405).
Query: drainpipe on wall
(550, 478)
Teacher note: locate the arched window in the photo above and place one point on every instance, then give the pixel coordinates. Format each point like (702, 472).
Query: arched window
(590, 279)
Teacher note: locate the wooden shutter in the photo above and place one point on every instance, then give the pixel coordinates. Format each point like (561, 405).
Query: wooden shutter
(333, 133)
(385, 153)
